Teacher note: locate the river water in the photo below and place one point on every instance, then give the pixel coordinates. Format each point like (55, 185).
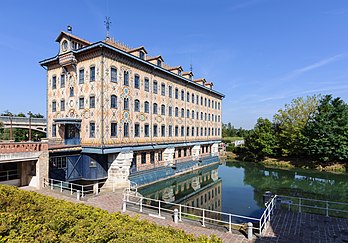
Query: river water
(238, 187)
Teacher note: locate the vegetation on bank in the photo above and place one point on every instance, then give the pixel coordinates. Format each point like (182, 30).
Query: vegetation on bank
(31, 217)
(308, 133)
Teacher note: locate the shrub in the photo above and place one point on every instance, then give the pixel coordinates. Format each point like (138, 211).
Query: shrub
(31, 217)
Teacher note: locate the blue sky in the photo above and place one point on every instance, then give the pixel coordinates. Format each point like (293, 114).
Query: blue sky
(260, 53)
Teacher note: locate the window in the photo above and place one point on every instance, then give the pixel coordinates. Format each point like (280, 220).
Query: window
(163, 130)
(159, 63)
(205, 116)
(81, 102)
(176, 131)
(219, 106)
(125, 78)
(179, 72)
(182, 112)
(136, 130)
(201, 131)
(141, 55)
(197, 131)
(81, 76)
(205, 131)
(54, 130)
(136, 105)
(197, 115)
(154, 108)
(146, 130)
(155, 87)
(188, 113)
(208, 117)
(143, 158)
(182, 95)
(113, 102)
(179, 152)
(176, 93)
(185, 154)
(201, 115)
(205, 101)
(146, 107)
(62, 105)
(197, 99)
(218, 118)
(91, 129)
(136, 82)
(212, 104)
(182, 131)
(170, 111)
(155, 130)
(193, 98)
(170, 130)
(54, 106)
(163, 89)
(170, 91)
(209, 103)
(92, 74)
(187, 131)
(92, 102)
(152, 157)
(160, 155)
(125, 129)
(62, 81)
(163, 110)
(201, 100)
(188, 97)
(126, 104)
(193, 114)
(71, 91)
(54, 82)
(146, 84)
(113, 72)
(113, 129)
(209, 131)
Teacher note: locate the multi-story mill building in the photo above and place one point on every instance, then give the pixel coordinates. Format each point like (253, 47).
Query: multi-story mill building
(113, 109)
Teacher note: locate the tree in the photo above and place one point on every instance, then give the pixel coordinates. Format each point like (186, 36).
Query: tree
(291, 121)
(326, 134)
(261, 142)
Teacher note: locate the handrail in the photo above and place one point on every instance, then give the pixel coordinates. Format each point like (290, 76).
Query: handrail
(329, 205)
(194, 213)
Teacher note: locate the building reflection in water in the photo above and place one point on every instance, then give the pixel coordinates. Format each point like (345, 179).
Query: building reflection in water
(200, 188)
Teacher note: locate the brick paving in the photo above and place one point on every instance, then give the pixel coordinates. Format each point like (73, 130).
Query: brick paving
(285, 226)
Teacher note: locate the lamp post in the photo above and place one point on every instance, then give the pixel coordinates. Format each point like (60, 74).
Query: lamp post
(29, 126)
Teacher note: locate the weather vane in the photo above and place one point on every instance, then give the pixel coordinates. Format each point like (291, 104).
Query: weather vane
(107, 23)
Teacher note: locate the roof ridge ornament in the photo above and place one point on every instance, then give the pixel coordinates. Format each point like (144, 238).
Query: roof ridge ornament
(107, 23)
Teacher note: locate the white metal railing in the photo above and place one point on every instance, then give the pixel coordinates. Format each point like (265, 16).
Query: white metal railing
(205, 216)
(315, 206)
(80, 190)
(7, 175)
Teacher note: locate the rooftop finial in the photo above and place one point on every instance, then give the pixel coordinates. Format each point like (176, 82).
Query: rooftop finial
(107, 23)
(191, 67)
(69, 28)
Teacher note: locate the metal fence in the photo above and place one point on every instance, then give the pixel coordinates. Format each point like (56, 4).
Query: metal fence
(204, 216)
(314, 206)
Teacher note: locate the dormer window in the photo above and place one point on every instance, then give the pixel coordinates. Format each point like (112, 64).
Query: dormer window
(65, 45)
(159, 63)
(141, 55)
(179, 72)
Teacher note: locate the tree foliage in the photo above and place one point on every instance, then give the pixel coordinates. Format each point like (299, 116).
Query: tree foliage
(290, 123)
(315, 129)
(326, 134)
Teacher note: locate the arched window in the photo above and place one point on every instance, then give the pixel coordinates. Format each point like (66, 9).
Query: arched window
(182, 95)
(136, 81)
(163, 110)
(146, 107)
(126, 104)
(193, 98)
(182, 112)
(176, 111)
(163, 89)
(113, 75)
(155, 108)
(188, 97)
(136, 105)
(155, 87)
(113, 101)
(126, 78)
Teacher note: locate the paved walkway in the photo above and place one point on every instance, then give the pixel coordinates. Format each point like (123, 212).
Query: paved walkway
(286, 226)
(112, 202)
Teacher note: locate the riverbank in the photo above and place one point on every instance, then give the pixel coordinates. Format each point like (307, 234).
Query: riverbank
(291, 163)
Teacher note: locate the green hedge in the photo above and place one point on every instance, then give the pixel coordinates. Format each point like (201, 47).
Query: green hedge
(31, 217)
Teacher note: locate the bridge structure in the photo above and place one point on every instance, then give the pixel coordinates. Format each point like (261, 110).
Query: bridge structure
(37, 124)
